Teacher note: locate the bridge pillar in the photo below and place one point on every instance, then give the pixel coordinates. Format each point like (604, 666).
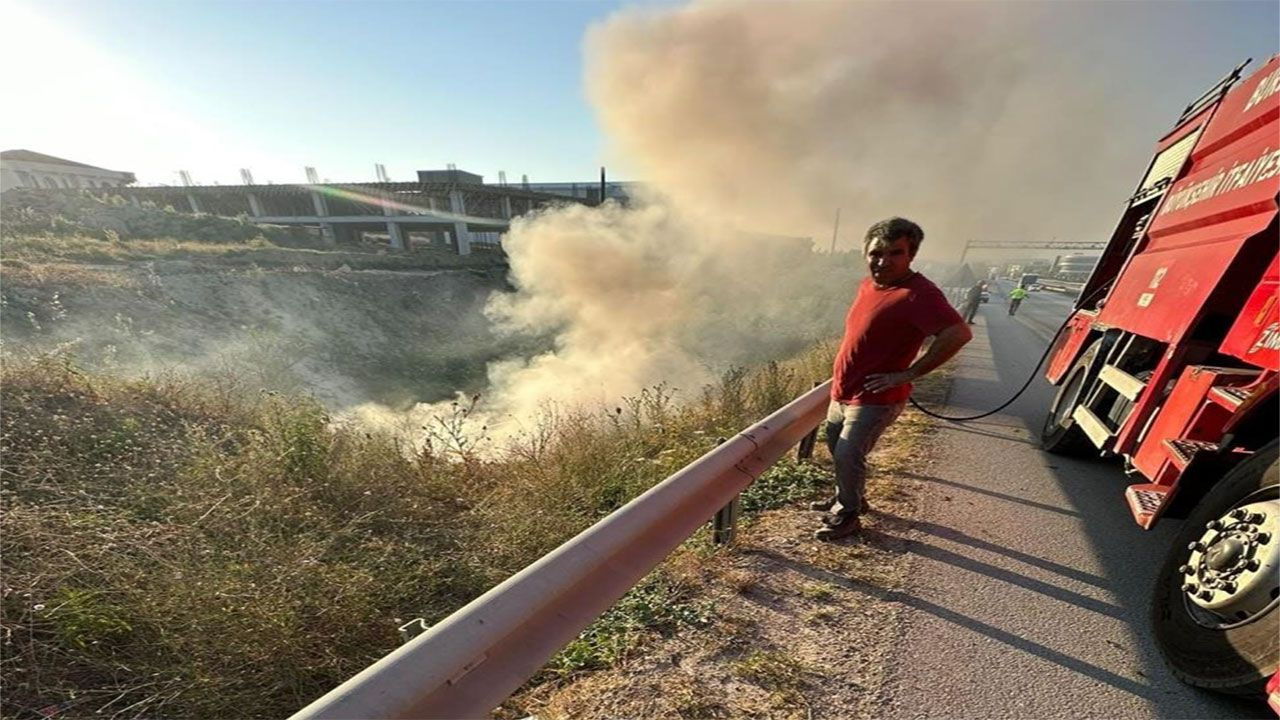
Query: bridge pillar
(329, 234)
(255, 206)
(194, 203)
(461, 237)
(317, 201)
(397, 235)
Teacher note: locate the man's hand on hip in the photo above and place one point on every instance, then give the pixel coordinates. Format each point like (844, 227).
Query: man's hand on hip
(879, 382)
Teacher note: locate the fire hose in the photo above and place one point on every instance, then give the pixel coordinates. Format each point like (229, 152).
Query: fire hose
(1034, 371)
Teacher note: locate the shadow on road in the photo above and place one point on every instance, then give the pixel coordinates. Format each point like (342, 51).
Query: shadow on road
(946, 533)
(1015, 641)
(1092, 493)
(991, 493)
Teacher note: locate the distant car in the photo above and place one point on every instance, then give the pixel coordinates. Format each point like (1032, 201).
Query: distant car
(1035, 287)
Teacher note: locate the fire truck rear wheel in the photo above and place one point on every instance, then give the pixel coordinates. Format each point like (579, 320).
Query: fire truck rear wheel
(1234, 646)
(1061, 435)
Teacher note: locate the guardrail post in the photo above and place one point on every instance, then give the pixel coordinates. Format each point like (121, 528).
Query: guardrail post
(804, 451)
(726, 522)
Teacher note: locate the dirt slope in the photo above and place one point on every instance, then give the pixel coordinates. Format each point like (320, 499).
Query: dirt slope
(393, 336)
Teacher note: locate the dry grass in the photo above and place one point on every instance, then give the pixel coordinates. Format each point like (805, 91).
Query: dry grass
(22, 274)
(196, 548)
(35, 250)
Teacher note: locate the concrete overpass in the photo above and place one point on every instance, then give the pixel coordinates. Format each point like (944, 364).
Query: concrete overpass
(457, 215)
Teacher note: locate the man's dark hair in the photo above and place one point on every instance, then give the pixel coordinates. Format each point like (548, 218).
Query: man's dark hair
(895, 227)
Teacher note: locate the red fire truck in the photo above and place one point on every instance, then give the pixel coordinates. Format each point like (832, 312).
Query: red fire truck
(1170, 361)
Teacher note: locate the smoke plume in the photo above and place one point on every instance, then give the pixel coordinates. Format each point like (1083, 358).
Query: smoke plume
(756, 119)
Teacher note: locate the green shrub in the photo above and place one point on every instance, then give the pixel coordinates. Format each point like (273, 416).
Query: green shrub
(657, 606)
(786, 482)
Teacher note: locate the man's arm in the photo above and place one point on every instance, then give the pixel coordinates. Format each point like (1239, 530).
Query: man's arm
(944, 346)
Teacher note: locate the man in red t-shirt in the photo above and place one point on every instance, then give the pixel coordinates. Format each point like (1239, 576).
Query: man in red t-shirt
(895, 310)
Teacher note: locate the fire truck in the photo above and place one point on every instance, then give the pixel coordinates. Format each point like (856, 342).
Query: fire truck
(1170, 360)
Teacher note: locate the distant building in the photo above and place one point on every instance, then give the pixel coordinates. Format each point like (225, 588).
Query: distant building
(589, 190)
(1075, 268)
(27, 169)
(450, 175)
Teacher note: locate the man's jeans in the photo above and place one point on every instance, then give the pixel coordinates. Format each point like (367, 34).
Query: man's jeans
(852, 431)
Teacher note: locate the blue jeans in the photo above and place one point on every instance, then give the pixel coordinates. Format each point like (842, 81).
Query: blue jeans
(852, 432)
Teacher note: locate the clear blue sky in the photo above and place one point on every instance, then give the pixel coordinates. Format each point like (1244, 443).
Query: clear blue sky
(155, 86)
(340, 85)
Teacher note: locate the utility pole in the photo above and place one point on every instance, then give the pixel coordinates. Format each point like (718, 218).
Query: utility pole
(835, 232)
(602, 185)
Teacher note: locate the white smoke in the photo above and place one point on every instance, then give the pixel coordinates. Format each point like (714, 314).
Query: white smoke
(975, 120)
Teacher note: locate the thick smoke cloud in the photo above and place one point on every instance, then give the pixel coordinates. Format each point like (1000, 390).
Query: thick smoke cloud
(753, 119)
(974, 119)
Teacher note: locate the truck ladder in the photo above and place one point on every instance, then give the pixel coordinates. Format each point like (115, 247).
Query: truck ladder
(1102, 430)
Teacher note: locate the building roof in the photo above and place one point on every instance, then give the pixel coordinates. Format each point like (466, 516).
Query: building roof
(32, 156)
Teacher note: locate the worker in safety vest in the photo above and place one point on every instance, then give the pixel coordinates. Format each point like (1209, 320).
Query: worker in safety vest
(1015, 298)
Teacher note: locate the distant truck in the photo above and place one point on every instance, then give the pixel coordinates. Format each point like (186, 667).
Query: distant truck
(1170, 361)
(1029, 282)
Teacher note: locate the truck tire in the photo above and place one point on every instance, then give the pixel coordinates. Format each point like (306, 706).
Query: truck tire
(1060, 434)
(1234, 645)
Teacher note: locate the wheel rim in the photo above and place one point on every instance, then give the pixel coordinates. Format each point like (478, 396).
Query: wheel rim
(1062, 409)
(1228, 577)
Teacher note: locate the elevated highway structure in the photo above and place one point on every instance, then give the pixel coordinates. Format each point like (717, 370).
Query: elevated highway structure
(457, 215)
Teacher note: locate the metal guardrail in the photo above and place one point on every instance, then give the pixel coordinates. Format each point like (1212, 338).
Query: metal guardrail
(471, 661)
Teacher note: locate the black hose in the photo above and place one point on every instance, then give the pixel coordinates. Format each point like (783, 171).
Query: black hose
(1025, 385)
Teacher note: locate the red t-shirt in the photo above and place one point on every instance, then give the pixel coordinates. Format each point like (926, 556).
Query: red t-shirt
(883, 333)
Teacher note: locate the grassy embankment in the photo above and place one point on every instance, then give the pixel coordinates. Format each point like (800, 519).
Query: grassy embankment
(187, 548)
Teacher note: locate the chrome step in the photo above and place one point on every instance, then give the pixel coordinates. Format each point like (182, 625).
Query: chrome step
(1097, 430)
(1124, 383)
(1228, 397)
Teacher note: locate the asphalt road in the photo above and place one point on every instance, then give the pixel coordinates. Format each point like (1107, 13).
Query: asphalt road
(1030, 578)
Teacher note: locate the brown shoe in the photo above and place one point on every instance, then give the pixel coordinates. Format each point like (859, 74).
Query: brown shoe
(848, 526)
